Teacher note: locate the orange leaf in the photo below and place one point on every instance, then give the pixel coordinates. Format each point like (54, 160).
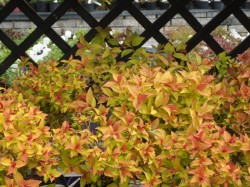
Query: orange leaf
(245, 90)
(6, 104)
(208, 62)
(140, 99)
(245, 147)
(9, 182)
(204, 82)
(30, 183)
(25, 183)
(24, 156)
(202, 160)
(14, 165)
(155, 181)
(65, 127)
(241, 116)
(79, 45)
(245, 56)
(118, 79)
(7, 118)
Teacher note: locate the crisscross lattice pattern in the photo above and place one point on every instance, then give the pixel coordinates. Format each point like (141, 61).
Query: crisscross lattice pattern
(203, 33)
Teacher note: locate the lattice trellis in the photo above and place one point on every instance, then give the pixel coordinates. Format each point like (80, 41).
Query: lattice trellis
(203, 33)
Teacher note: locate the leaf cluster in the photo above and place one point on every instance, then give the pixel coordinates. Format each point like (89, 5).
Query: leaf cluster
(158, 118)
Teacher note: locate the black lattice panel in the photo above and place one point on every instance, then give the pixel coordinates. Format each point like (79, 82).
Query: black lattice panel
(203, 33)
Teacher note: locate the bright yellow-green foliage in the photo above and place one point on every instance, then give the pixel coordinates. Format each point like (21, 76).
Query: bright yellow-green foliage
(162, 120)
(59, 91)
(236, 106)
(25, 141)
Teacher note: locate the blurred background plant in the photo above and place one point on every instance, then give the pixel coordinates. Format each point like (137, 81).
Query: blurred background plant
(3, 2)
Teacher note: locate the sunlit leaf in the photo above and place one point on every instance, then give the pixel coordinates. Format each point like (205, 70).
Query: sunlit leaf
(137, 41)
(126, 52)
(90, 98)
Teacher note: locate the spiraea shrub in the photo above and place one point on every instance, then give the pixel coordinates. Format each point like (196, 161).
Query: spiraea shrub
(159, 118)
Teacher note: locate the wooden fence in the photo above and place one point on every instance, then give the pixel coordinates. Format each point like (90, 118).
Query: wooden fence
(203, 33)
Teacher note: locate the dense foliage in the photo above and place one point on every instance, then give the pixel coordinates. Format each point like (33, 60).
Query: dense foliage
(161, 118)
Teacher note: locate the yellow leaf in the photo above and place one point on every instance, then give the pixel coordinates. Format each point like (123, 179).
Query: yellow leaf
(79, 52)
(55, 173)
(153, 111)
(247, 178)
(195, 120)
(82, 39)
(163, 59)
(133, 90)
(74, 140)
(107, 91)
(167, 109)
(90, 98)
(18, 177)
(206, 109)
(167, 77)
(159, 99)
(148, 175)
(5, 161)
(179, 78)
(144, 109)
(190, 130)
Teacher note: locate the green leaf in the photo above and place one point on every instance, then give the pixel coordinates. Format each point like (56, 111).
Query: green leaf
(50, 185)
(164, 185)
(137, 41)
(82, 40)
(218, 65)
(90, 98)
(116, 50)
(83, 181)
(113, 42)
(126, 52)
(106, 53)
(169, 49)
(181, 47)
(104, 33)
(112, 185)
(176, 163)
(222, 55)
(180, 56)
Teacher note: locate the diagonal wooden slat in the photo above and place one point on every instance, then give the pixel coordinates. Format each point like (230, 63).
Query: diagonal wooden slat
(195, 24)
(104, 22)
(215, 22)
(163, 19)
(7, 41)
(43, 27)
(245, 21)
(138, 15)
(7, 9)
